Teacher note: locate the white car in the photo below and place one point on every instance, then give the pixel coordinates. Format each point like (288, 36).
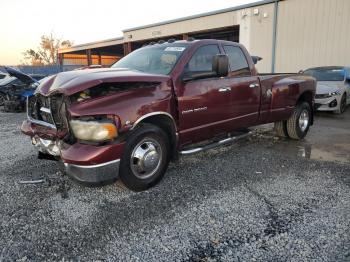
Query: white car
(333, 88)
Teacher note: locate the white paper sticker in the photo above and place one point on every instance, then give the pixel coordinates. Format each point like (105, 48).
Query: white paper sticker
(175, 49)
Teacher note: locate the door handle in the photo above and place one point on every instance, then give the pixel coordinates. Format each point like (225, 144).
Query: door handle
(224, 89)
(253, 85)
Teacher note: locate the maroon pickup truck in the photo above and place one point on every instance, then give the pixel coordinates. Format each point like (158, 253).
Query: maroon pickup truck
(162, 100)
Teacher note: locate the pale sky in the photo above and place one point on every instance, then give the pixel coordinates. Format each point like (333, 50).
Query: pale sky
(22, 22)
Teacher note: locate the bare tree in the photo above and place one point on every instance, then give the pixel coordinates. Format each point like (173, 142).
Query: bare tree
(46, 53)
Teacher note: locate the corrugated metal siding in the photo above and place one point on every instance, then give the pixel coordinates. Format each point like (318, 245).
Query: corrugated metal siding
(255, 30)
(312, 33)
(309, 33)
(260, 35)
(192, 25)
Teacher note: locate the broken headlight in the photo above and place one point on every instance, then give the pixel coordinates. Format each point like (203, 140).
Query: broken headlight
(96, 131)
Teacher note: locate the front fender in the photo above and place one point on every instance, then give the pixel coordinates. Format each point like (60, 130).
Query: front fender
(129, 106)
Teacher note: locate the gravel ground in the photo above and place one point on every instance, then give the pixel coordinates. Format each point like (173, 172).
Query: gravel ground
(263, 199)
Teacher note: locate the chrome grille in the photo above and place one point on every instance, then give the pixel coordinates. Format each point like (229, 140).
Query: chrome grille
(47, 111)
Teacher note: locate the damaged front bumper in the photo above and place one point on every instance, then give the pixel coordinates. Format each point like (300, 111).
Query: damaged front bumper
(93, 174)
(87, 164)
(46, 146)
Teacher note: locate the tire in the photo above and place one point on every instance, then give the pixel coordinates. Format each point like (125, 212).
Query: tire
(342, 106)
(299, 123)
(145, 158)
(2, 99)
(281, 129)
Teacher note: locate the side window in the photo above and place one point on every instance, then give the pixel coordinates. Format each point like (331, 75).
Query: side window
(237, 60)
(202, 59)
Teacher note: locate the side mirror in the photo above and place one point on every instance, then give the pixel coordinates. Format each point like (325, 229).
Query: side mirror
(256, 59)
(301, 72)
(220, 65)
(219, 69)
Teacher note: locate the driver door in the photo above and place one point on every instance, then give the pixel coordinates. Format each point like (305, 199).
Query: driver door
(203, 104)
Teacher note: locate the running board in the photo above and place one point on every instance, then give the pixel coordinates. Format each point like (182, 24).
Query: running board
(216, 144)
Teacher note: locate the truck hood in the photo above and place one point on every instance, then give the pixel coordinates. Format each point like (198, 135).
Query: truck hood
(72, 82)
(325, 87)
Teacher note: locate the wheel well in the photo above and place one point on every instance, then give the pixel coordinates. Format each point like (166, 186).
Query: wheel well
(307, 96)
(167, 124)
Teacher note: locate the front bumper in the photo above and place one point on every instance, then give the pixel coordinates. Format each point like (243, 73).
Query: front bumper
(328, 104)
(91, 164)
(93, 174)
(85, 163)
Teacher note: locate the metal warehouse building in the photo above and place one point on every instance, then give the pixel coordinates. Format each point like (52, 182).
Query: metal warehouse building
(289, 34)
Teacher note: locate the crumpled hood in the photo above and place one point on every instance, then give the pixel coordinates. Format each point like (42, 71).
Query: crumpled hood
(325, 87)
(71, 82)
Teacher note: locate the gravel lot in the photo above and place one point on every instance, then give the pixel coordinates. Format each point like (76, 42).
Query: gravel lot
(264, 199)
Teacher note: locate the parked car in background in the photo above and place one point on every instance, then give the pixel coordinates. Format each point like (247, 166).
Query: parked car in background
(333, 87)
(2, 75)
(15, 82)
(162, 100)
(17, 98)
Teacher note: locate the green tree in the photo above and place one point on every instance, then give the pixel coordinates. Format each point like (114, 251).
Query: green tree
(46, 53)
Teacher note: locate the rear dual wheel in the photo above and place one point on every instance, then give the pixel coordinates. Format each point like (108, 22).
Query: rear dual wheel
(298, 124)
(281, 129)
(2, 99)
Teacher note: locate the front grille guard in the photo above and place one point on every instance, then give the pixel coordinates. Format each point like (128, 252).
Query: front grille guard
(40, 122)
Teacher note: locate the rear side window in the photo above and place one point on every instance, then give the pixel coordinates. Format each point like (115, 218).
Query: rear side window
(237, 60)
(202, 60)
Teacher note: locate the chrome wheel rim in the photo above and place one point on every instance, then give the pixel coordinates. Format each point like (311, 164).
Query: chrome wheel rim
(304, 120)
(146, 158)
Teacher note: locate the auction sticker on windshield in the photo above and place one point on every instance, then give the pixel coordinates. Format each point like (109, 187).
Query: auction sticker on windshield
(175, 48)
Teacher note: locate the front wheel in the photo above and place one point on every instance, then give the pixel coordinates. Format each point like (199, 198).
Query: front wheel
(342, 106)
(145, 158)
(2, 99)
(299, 123)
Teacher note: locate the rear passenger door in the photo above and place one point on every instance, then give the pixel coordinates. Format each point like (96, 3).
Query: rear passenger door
(245, 88)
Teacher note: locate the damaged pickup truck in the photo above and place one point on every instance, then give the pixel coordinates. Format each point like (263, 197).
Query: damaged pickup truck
(162, 100)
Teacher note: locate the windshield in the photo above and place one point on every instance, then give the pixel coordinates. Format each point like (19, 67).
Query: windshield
(326, 74)
(157, 59)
